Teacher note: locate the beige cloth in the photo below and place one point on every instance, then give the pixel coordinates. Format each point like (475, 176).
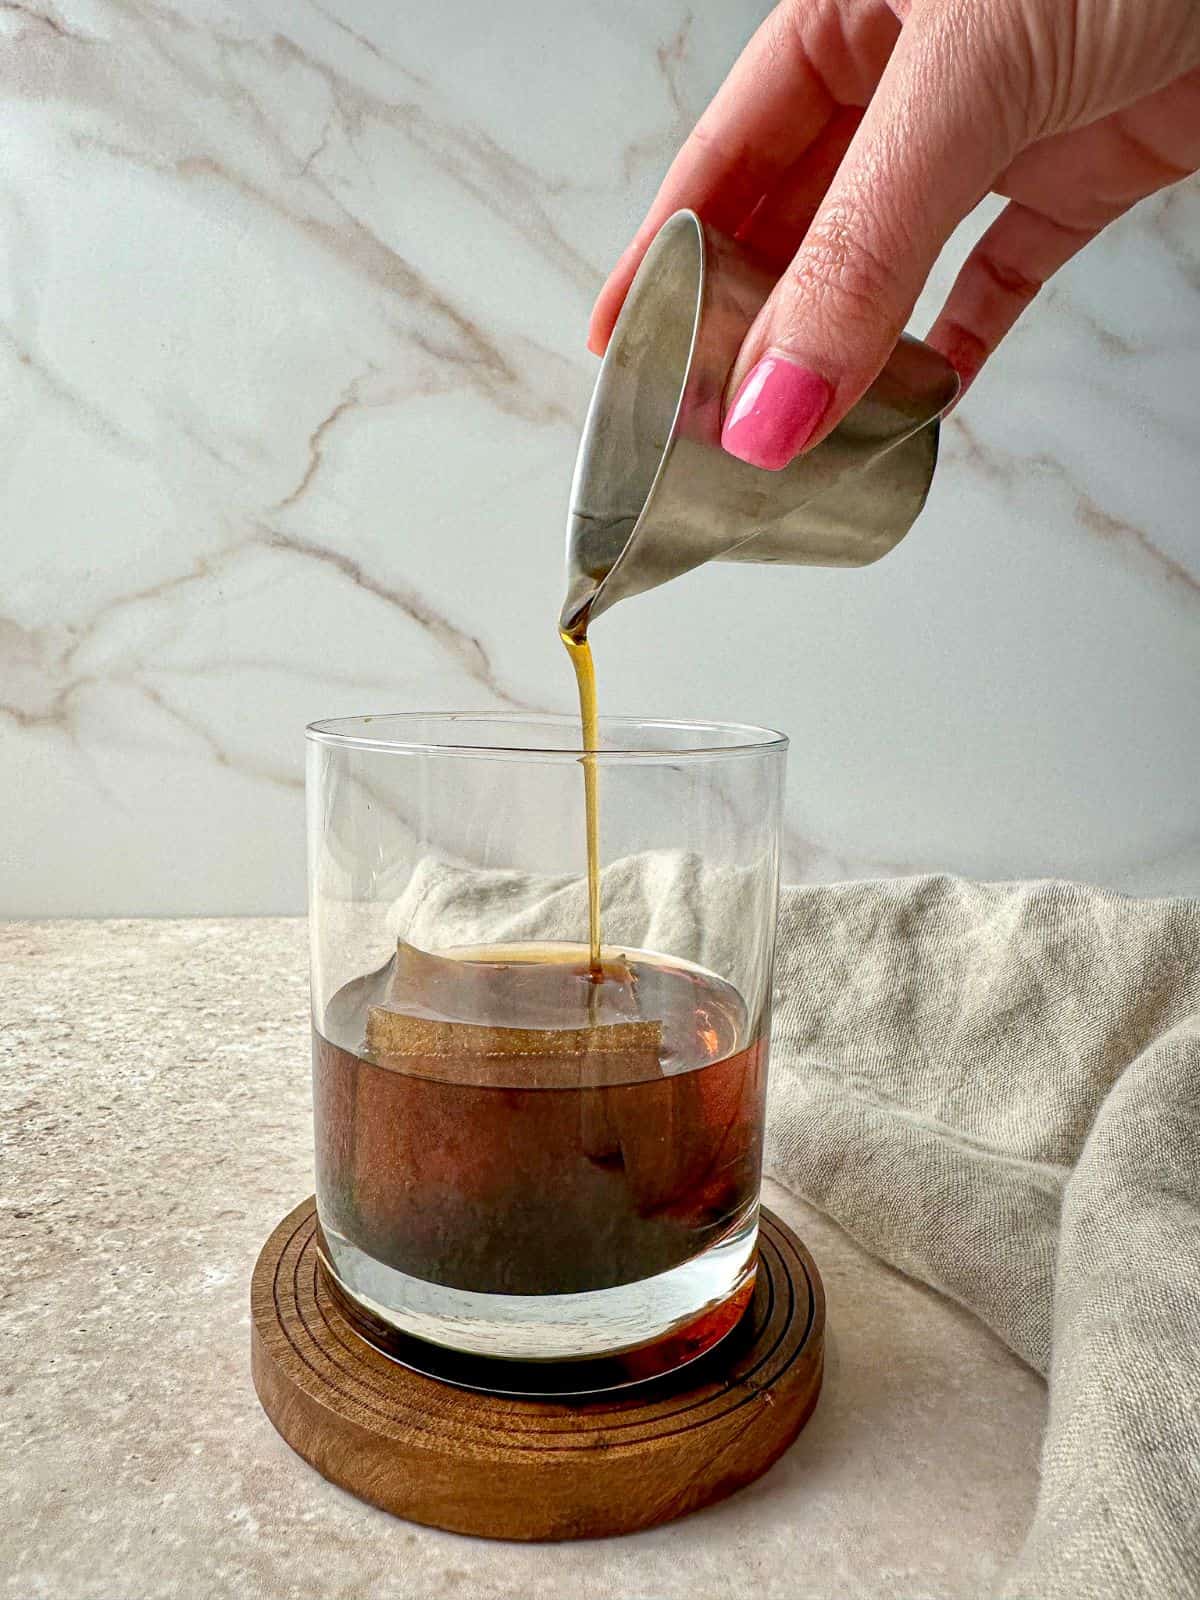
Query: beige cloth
(996, 1088)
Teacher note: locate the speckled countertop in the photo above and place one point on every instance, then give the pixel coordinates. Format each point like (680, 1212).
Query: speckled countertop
(154, 1128)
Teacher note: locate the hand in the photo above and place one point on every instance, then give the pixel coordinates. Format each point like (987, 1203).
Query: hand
(852, 137)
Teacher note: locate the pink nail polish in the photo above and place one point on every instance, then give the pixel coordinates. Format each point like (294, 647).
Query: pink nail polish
(774, 413)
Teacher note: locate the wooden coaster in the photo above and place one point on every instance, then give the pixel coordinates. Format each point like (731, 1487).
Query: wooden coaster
(511, 1468)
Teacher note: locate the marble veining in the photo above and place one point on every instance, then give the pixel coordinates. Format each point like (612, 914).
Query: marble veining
(1136, 544)
(292, 307)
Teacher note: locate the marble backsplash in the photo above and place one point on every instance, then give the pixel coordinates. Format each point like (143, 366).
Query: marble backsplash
(292, 312)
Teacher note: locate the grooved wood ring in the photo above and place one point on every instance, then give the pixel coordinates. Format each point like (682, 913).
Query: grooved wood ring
(511, 1468)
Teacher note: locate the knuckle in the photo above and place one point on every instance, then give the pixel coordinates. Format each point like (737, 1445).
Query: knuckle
(1153, 164)
(839, 270)
(1012, 283)
(964, 348)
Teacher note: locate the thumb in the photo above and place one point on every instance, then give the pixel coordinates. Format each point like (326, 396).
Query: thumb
(943, 123)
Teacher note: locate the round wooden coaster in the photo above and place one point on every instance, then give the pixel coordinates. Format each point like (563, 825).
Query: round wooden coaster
(511, 1468)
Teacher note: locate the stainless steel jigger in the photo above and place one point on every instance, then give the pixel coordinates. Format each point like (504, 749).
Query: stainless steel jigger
(654, 495)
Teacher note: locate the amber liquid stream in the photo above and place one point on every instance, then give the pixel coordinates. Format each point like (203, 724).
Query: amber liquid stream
(580, 653)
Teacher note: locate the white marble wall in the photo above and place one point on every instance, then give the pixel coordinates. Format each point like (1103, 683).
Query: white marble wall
(291, 346)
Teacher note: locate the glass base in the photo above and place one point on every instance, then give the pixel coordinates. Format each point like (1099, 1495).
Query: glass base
(547, 1344)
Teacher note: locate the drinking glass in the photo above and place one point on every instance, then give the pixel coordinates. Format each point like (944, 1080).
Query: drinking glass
(531, 1175)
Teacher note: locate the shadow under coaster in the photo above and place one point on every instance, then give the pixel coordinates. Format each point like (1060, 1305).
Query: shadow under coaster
(515, 1468)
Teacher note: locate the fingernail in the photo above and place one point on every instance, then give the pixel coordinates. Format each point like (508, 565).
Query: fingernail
(774, 413)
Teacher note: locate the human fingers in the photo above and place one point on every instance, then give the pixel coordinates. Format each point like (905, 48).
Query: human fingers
(770, 108)
(943, 124)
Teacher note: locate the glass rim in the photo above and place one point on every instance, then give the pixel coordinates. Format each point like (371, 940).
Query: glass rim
(747, 739)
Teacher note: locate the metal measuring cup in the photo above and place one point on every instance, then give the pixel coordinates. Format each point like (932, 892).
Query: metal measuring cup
(654, 495)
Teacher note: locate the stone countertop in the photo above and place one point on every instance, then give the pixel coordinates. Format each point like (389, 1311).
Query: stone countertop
(155, 1126)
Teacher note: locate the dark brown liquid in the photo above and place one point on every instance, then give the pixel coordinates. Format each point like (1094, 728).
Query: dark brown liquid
(520, 1150)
